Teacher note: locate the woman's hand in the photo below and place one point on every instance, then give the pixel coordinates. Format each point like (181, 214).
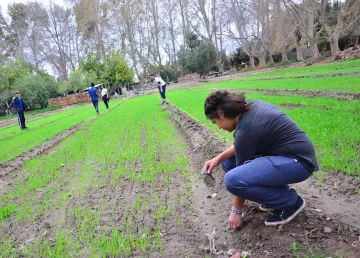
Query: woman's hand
(211, 164)
(234, 220)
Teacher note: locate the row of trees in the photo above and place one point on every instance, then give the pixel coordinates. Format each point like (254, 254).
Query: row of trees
(37, 86)
(178, 35)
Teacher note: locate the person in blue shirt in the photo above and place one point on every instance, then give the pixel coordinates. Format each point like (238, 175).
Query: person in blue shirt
(20, 107)
(93, 94)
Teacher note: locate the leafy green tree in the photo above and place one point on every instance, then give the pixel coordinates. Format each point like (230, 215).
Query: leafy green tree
(198, 56)
(9, 73)
(78, 80)
(116, 70)
(37, 89)
(167, 72)
(205, 57)
(93, 65)
(187, 60)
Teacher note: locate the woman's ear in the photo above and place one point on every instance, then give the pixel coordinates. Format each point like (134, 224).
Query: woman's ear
(220, 114)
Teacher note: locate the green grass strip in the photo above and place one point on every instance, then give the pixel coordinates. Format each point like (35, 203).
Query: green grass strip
(337, 84)
(42, 121)
(28, 139)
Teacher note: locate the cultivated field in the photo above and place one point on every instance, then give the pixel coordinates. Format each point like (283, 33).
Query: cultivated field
(127, 183)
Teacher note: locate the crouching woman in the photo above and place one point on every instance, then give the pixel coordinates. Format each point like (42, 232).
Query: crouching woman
(269, 152)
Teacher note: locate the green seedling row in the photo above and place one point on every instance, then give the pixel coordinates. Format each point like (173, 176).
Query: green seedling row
(337, 84)
(105, 187)
(331, 124)
(44, 121)
(32, 112)
(28, 139)
(328, 69)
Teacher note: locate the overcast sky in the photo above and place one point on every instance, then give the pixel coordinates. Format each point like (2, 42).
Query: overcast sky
(4, 3)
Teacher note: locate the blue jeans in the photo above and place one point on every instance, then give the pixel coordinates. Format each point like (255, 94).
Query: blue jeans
(96, 105)
(265, 180)
(162, 93)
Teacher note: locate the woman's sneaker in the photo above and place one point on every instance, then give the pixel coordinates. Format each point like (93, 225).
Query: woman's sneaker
(286, 215)
(265, 208)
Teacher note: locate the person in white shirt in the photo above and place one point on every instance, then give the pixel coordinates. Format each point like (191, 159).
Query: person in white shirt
(104, 95)
(161, 86)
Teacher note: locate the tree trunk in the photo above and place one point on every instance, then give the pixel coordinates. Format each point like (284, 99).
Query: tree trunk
(284, 57)
(252, 61)
(334, 45)
(271, 58)
(315, 50)
(299, 54)
(262, 59)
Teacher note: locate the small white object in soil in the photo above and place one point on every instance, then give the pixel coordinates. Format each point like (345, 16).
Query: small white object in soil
(318, 210)
(213, 195)
(327, 230)
(230, 252)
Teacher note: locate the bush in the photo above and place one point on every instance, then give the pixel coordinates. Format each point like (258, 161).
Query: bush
(36, 89)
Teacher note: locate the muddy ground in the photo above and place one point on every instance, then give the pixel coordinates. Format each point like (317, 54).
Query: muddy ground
(334, 205)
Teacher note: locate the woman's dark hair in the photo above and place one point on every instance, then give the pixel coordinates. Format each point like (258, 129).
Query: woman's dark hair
(231, 104)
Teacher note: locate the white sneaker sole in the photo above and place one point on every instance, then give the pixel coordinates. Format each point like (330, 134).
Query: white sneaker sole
(288, 219)
(265, 209)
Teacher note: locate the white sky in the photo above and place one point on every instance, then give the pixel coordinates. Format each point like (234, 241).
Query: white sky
(4, 3)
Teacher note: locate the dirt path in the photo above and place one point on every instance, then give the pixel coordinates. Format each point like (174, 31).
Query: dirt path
(335, 207)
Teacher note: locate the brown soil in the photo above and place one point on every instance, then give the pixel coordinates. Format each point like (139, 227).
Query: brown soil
(290, 106)
(307, 93)
(327, 206)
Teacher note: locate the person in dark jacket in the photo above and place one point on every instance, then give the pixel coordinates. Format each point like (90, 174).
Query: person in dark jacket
(270, 152)
(94, 97)
(20, 107)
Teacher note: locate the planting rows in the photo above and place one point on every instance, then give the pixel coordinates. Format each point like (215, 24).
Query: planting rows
(33, 124)
(15, 142)
(313, 78)
(334, 68)
(330, 124)
(338, 84)
(117, 187)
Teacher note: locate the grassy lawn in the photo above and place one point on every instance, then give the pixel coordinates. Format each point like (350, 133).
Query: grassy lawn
(331, 124)
(138, 148)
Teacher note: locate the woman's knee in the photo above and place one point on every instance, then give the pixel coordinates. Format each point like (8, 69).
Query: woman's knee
(234, 184)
